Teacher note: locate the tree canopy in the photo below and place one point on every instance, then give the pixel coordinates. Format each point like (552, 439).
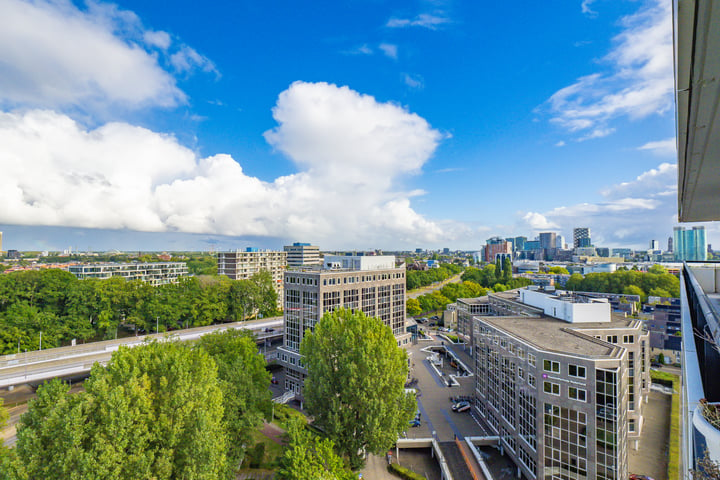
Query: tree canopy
(355, 383)
(629, 282)
(63, 308)
(422, 278)
(155, 411)
(244, 382)
(309, 457)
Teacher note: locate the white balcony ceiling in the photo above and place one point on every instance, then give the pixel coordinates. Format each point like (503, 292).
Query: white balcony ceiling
(697, 85)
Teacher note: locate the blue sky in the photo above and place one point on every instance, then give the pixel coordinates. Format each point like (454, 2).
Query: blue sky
(348, 124)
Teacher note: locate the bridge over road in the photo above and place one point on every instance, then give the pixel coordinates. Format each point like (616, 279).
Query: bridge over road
(40, 365)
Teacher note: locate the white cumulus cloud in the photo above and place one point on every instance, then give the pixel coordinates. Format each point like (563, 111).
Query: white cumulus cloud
(637, 81)
(350, 151)
(665, 147)
(631, 214)
(54, 55)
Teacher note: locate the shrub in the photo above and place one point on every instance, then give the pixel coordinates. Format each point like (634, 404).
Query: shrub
(404, 473)
(257, 455)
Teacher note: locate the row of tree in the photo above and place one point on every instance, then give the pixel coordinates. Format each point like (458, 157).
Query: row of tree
(168, 410)
(491, 274)
(439, 299)
(164, 410)
(423, 278)
(655, 282)
(63, 308)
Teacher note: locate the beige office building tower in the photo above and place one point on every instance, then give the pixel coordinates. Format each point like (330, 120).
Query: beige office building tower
(243, 264)
(372, 284)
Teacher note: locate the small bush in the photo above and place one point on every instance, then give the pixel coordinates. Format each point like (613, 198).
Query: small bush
(257, 455)
(404, 473)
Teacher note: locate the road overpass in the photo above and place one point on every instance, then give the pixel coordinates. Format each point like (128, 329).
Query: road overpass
(40, 365)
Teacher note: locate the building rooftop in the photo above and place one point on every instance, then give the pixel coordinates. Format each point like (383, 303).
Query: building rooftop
(551, 334)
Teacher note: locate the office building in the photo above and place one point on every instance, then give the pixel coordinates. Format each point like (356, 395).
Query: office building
(581, 237)
(519, 243)
(495, 246)
(670, 244)
(243, 264)
(654, 245)
(560, 242)
(547, 240)
(372, 284)
(156, 273)
(562, 382)
(13, 254)
(302, 254)
(690, 244)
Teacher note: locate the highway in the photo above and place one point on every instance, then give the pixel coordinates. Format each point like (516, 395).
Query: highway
(37, 366)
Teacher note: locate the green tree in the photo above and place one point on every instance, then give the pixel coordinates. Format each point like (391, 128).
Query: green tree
(412, 306)
(657, 269)
(659, 292)
(507, 270)
(355, 384)
(309, 457)
(154, 412)
(574, 283)
(245, 384)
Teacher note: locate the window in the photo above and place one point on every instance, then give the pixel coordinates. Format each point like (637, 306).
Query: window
(631, 425)
(628, 338)
(531, 380)
(531, 359)
(577, 394)
(611, 338)
(576, 371)
(551, 388)
(551, 366)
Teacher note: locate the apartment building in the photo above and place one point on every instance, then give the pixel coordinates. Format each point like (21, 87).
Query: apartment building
(302, 255)
(243, 264)
(372, 284)
(158, 273)
(562, 381)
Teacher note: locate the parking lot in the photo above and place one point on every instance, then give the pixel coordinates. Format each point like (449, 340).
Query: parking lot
(434, 395)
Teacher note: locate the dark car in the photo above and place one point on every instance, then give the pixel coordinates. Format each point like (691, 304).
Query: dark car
(268, 329)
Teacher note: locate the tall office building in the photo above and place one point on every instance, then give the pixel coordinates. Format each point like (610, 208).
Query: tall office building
(670, 244)
(548, 240)
(654, 245)
(519, 243)
(372, 284)
(581, 237)
(243, 264)
(495, 246)
(690, 244)
(560, 242)
(562, 382)
(302, 254)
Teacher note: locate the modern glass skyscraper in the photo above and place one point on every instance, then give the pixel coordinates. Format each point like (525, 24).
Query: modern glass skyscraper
(581, 237)
(690, 244)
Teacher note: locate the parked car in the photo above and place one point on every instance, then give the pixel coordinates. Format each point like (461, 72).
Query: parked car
(634, 476)
(459, 405)
(268, 329)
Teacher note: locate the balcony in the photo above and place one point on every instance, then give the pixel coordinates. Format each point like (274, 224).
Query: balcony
(700, 293)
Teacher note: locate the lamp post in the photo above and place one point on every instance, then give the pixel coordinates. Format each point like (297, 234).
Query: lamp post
(40, 340)
(157, 324)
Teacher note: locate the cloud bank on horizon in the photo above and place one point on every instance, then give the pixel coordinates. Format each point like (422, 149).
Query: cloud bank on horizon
(67, 161)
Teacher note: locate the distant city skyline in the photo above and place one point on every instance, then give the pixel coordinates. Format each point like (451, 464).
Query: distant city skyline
(394, 125)
(59, 239)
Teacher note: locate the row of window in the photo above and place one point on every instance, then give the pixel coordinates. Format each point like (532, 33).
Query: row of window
(577, 371)
(574, 393)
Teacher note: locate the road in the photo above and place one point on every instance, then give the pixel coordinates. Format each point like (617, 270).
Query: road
(435, 286)
(65, 361)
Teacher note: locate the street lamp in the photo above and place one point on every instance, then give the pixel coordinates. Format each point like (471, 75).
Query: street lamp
(157, 324)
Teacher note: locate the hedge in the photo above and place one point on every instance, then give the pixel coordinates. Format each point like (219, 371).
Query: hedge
(404, 473)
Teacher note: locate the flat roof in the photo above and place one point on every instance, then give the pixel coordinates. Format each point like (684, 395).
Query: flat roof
(554, 335)
(474, 301)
